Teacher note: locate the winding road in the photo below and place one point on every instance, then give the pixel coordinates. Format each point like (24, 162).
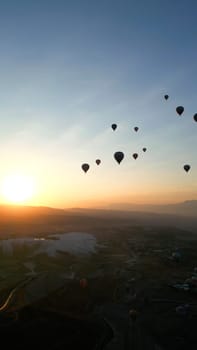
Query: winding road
(5, 306)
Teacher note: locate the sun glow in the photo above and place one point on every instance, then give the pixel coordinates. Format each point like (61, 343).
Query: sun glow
(18, 188)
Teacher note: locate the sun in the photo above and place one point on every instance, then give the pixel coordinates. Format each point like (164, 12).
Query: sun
(18, 188)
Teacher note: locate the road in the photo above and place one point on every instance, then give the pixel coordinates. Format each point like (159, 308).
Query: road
(7, 303)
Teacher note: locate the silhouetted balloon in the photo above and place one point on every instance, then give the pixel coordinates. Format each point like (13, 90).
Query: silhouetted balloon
(114, 126)
(136, 128)
(119, 156)
(83, 283)
(166, 97)
(133, 314)
(98, 161)
(135, 155)
(85, 167)
(195, 117)
(187, 167)
(180, 109)
(144, 149)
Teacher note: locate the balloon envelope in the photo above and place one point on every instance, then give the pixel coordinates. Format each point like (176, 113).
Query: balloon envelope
(85, 167)
(166, 97)
(135, 155)
(98, 161)
(136, 128)
(144, 149)
(187, 167)
(83, 283)
(195, 117)
(180, 109)
(114, 126)
(133, 314)
(119, 156)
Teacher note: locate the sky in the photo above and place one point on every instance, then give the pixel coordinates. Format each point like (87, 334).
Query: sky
(69, 69)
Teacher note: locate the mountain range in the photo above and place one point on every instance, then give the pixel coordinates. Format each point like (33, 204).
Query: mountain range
(186, 208)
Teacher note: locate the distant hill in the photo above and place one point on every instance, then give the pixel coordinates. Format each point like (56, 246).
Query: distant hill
(187, 208)
(28, 211)
(25, 221)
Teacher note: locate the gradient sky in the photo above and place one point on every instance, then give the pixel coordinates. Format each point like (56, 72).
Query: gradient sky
(69, 69)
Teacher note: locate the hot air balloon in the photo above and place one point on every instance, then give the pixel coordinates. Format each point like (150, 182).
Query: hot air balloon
(98, 161)
(83, 283)
(135, 155)
(119, 156)
(180, 110)
(133, 314)
(114, 126)
(144, 149)
(85, 167)
(187, 167)
(195, 117)
(166, 97)
(136, 128)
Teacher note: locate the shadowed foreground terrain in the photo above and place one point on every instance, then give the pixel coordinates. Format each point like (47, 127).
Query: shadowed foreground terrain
(129, 261)
(50, 330)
